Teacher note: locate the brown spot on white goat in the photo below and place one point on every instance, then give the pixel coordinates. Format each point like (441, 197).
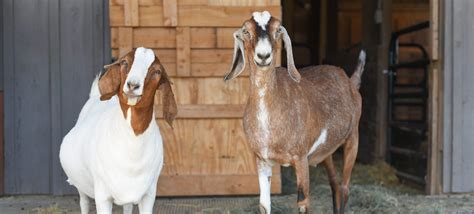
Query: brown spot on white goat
(295, 118)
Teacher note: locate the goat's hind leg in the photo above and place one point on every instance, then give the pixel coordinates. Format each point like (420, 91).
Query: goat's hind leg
(350, 155)
(127, 208)
(334, 182)
(302, 182)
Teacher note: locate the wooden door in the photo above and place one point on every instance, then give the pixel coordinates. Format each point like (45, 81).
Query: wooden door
(206, 152)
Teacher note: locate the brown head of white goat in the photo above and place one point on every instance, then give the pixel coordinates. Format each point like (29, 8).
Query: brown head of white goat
(114, 153)
(296, 118)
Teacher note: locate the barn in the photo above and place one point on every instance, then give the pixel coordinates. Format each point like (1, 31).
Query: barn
(417, 96)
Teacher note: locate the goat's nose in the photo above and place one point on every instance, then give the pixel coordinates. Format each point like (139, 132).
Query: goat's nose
(133, 86)
(263, 56)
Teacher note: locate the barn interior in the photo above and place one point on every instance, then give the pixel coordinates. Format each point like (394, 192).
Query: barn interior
(396, 36)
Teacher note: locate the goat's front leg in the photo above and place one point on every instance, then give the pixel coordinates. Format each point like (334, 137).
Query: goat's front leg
(103, 203)
(302, 182)
(264, 180)
(84, 202)
(146, 204)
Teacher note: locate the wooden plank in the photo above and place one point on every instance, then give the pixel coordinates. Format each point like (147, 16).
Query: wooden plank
(243, 3)
(131, 12)
(154, 37)
(125, 40)
(434, 27)
(225, 38)
(211, 56)
(208, 111)
(203, 37)
(193, 15)
(183, 51)
(170, 13)
(220, 16)
(161, 37)
(200, 185)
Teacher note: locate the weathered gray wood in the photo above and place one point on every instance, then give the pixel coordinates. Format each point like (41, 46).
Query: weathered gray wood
(458, 172)
(27, 154)
(54, 50)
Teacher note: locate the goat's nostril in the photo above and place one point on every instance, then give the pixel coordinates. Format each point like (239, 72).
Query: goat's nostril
(132, 86)
(263, 56)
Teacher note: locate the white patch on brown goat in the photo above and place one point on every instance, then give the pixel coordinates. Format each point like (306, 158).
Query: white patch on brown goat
(262, 117)
(321, 140)
(262, 18)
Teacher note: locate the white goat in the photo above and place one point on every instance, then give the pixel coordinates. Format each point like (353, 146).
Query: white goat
(114, 153)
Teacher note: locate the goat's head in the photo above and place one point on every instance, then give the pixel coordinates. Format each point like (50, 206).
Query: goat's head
(256, 42)
(135, 78)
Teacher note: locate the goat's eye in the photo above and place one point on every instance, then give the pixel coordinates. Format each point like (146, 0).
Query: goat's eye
(158, 72)
(124, 62)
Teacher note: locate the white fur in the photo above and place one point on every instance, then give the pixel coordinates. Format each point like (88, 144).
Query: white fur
(321, 140)
(144, 57)
(264, 174)
(263, 47)
(262, 116)
(105, 160)
(262, 18)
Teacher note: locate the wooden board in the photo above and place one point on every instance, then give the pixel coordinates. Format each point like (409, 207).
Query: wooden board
(194, 41)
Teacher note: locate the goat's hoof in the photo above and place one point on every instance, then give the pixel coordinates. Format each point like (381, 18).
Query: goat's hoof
(262, 210)
(302, 210)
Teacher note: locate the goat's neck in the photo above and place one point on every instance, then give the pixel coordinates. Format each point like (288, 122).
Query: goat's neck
(139, 117)
(262, 81)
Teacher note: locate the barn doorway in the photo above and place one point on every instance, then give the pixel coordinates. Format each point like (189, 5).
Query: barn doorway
(395, 121)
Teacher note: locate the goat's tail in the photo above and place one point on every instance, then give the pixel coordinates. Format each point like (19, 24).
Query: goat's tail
(356, 76)
(95, 87)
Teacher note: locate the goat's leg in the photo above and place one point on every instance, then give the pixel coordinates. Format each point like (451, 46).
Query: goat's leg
(264, 180)
(103, 204)
(84, 202)
(350, 154)
(127, 209)
(146, 204)
(333, 181)
(302, 182)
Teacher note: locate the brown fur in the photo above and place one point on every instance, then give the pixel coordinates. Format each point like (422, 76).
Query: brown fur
(112, 82)
(298, 110)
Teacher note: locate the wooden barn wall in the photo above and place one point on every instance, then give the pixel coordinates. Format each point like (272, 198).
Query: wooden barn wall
(52, 50)
(458, 96)
(206, 152)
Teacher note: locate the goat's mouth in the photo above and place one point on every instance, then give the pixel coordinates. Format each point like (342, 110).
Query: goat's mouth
(262, 64)
(132, 99)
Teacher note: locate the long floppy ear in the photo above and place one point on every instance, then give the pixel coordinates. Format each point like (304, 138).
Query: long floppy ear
(238, 61)
(109, 81)
(170, 109)
(292, 71)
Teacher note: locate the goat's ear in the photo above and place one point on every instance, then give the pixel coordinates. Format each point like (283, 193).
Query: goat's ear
(292, 71)
(170, 109)
(238, 61)
(109, 81)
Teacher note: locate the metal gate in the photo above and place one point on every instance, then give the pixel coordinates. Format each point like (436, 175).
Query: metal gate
(52, 49)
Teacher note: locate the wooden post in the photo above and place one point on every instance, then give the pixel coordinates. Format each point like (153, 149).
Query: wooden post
(435, 153)
(131, 12)
(125, 40)
(170, 12)
(375, 41)
(183, 51)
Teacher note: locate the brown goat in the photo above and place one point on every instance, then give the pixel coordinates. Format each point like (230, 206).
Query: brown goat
(299, 118)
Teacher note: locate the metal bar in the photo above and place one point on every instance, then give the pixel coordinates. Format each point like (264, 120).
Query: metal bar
(410, 177)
